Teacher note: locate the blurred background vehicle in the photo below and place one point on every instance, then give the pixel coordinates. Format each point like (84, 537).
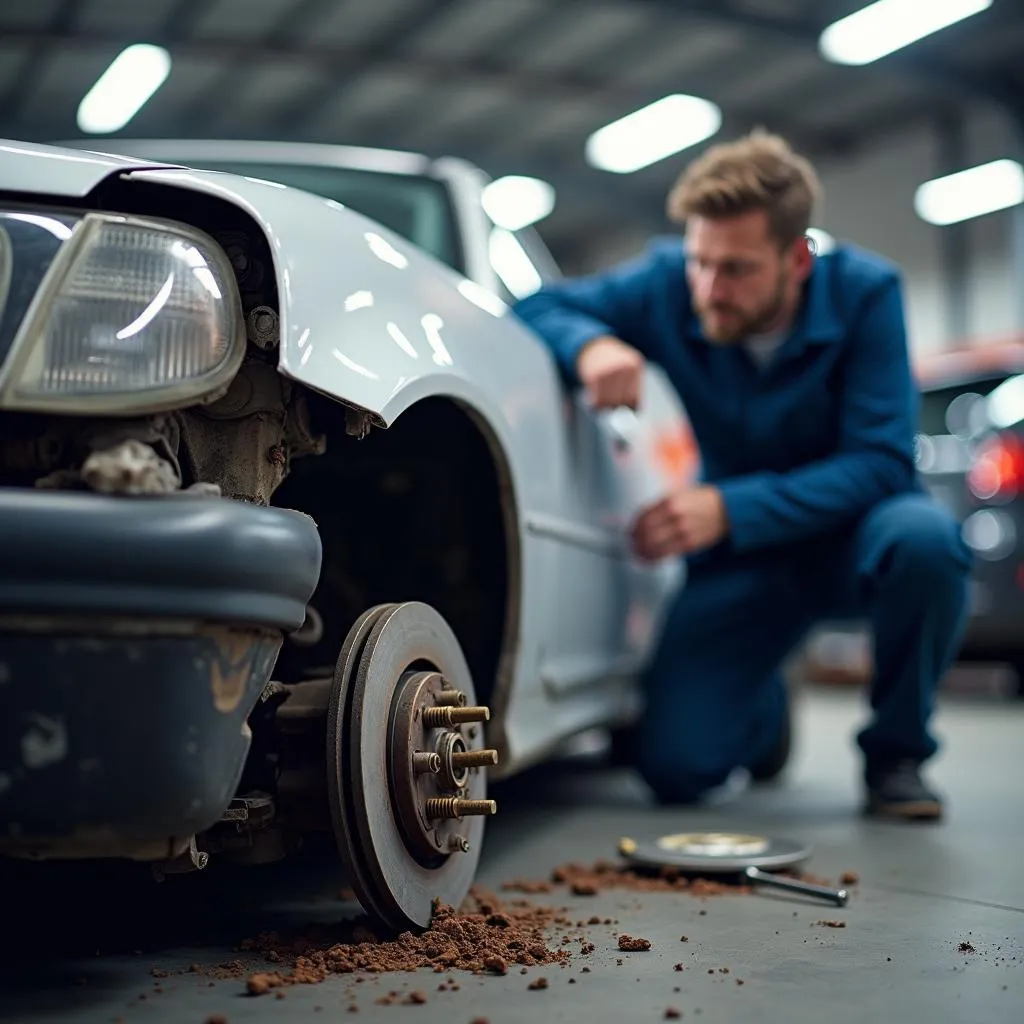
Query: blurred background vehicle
(971, 457)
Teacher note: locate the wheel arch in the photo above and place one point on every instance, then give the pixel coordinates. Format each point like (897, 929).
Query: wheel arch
(441, 444)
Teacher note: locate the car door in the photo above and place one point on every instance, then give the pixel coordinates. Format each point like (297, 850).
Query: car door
(640, 457)
(610, 603)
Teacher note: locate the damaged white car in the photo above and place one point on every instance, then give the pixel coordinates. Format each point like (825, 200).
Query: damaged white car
(303, 532)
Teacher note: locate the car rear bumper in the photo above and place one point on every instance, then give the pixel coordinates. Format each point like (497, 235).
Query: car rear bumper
(136, 636)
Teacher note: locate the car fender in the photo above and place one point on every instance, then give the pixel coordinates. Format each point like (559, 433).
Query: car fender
(369, 319)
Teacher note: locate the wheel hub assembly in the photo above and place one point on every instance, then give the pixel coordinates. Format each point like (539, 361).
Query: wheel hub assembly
(431, 764)
(406, 764)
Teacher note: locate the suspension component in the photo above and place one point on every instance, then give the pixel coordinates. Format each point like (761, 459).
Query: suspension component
(430, 721)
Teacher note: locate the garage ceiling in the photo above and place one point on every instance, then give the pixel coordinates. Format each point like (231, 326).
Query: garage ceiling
(514, 85)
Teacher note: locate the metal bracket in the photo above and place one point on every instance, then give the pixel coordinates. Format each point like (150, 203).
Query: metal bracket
(192, 859)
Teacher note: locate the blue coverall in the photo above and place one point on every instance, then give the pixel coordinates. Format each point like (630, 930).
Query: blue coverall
(814, 456)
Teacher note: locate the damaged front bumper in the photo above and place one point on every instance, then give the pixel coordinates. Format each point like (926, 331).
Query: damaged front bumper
(136, 636)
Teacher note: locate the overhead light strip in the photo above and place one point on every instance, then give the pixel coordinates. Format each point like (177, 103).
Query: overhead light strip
(975, 192)
(886, 26)
(124, 88)
(652, 133)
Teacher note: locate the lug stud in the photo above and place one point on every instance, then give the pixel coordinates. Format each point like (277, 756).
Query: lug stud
(453, 807)
(449, 716)
(474, 758)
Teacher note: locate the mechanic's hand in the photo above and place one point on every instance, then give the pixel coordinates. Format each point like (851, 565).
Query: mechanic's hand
(686, 521)
(612, 372)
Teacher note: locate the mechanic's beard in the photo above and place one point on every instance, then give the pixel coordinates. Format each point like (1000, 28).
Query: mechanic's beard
(743, 326)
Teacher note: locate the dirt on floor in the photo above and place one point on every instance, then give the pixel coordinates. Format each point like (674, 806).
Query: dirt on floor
(488, 934)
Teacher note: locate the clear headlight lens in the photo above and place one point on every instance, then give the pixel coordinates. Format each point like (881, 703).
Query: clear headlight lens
(139, 316)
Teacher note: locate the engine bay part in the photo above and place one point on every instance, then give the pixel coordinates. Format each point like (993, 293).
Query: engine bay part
(239, 447)
(238, 443)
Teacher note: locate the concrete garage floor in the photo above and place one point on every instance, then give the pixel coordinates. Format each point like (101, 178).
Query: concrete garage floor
(923, 891)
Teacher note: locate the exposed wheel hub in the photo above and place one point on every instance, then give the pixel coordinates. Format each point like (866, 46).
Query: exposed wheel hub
(430, 762)
(406, 764)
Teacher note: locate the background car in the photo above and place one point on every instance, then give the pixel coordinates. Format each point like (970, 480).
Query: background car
(970, 455)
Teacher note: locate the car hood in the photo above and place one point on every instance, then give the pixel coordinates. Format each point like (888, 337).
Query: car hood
(51, 170)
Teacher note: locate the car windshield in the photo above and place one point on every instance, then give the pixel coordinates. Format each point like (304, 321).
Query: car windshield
(413, 206)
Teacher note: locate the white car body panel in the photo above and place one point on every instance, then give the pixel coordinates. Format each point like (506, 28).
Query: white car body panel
(31, 168)
(369, 319)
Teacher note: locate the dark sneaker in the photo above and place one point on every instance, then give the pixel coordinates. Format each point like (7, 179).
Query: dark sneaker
(897, 791)
(771, 765)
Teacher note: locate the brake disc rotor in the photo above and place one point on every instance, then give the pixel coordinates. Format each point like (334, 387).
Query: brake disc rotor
(406, 764)
(340, 792)
(714, 852)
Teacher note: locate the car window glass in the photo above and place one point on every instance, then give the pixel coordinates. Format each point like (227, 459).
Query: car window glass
(517, 273)
(521, 262)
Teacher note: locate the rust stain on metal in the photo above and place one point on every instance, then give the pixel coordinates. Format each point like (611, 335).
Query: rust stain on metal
(231, 669)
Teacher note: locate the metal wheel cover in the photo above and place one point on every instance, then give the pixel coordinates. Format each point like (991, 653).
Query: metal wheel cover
(715, 853)
(388, 879)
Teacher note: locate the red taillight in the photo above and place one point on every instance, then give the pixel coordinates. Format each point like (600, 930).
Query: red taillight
(998, 469)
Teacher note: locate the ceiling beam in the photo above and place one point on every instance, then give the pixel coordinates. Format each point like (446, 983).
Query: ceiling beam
(341, 64)
(335, 60)
(293, 21)
(305, 107)
(61, 24)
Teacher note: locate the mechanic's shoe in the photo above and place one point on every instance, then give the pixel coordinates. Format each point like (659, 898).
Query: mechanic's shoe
(771, 765)
(896, 790)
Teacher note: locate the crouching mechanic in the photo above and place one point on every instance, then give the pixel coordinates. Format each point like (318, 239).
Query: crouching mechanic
(794, 372)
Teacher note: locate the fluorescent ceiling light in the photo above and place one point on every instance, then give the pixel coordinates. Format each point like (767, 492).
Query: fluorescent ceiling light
(514, 201)
(667, 126)
(124, 88)
(823, 241)
(972, 193)
(883, 27)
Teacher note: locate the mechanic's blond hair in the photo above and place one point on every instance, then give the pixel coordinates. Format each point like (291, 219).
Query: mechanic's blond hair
(759, 171)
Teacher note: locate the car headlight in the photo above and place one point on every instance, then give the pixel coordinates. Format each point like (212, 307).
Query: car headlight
(134, 316)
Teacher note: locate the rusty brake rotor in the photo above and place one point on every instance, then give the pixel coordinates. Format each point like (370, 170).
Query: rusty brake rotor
(411, 776)
(340, 790)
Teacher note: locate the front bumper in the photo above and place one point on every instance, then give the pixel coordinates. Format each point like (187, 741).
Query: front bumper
(136, 636)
